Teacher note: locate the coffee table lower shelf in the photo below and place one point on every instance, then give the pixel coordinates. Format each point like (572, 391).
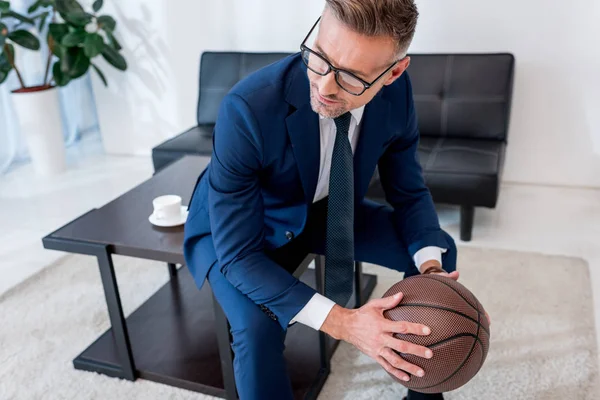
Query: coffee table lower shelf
(174, 342)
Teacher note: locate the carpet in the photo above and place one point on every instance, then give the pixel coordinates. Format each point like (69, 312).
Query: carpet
(543, 342)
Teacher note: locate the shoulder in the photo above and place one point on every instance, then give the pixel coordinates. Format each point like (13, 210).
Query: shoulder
(400, 96)
(400, 91)
(267, 86)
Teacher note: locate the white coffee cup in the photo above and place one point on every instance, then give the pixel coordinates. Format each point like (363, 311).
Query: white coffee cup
(167, 208)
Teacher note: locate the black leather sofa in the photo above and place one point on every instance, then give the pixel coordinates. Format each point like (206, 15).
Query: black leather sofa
(463, 104)
(219, 71)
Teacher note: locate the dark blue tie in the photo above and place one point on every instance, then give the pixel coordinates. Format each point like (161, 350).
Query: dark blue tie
(339, 241)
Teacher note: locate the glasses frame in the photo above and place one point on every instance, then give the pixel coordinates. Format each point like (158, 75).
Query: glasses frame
(366, 85)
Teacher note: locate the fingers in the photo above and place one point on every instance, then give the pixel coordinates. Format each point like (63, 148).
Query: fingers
(403, 376)
(406, 328)
(386, 303)
(402, 346)
(398, 363)
(488, 318)
(452, 275)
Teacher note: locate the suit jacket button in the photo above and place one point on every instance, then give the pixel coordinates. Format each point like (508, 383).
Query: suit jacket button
(289, 235)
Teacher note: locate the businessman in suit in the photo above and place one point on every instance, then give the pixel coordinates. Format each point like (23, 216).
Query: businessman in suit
(295, 147)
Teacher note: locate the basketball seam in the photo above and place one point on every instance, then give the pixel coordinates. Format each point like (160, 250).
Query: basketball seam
(446, 309)
(483, 354)
(459, 367)
(456, 291)
(477, 303)
(451, 338)
(478, 325)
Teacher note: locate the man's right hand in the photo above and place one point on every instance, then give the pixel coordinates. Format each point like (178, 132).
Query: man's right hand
(373, 334)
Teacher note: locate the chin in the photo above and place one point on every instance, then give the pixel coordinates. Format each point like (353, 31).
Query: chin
(325, 110)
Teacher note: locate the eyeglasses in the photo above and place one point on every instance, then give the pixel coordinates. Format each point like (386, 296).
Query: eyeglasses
(345, 79)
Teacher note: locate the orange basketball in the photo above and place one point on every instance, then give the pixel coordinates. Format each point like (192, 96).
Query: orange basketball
(460, 332)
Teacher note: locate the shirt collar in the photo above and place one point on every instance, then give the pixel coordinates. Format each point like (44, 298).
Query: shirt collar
(357, 113)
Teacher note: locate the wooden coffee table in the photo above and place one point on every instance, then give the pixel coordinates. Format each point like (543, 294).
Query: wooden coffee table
(175, 336)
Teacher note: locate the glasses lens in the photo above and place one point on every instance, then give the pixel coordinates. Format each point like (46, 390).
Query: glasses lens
(314, 62)
(350, 83)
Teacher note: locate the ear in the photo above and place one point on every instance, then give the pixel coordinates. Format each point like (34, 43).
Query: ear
(398, 70)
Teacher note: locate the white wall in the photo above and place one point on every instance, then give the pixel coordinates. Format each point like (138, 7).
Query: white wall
(555, 126)
(162, 40)
(555, 129)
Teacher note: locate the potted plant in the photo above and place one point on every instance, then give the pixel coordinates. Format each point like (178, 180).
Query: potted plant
(74, 38)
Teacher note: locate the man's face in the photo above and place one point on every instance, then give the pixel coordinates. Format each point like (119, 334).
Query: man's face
(366, 57)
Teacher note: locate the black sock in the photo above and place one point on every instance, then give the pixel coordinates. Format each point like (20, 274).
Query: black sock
(412, 395)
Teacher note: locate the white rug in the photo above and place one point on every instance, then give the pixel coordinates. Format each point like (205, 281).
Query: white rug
(543, 337)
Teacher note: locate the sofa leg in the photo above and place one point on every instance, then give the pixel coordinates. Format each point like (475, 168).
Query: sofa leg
(466, 222)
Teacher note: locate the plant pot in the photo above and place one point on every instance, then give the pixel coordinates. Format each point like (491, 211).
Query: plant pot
(38, 111)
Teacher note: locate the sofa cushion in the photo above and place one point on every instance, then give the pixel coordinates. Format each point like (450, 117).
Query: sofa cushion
(197, 140)
(462, 95)
(458, 171)
(462, 171)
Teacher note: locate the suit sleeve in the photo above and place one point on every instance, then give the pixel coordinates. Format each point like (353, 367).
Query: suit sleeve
(237, 215)
(402, 180)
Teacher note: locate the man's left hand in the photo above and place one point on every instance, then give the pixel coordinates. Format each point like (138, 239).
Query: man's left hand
(452, 275)
(433, 267)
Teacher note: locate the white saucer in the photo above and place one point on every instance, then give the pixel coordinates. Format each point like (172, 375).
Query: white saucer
(172, 222)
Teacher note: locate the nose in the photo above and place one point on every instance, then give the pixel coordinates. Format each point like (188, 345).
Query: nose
(327, 85)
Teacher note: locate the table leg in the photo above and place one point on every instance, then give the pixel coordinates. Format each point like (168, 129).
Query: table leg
(358, 284)
(172, 270)
(115, 312)
(320, 283)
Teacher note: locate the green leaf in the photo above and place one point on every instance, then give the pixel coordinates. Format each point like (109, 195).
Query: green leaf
(3, 35)
(3, 76)
(112, 40)
(4, 5)
(55, 47)
(80, 19)
(5, 67)
(25, 39)
(107, 23)
(68, 6)
(42, 20)
(22, 18)
(58, 31)
(4, 64)
(33, 8)
(74, 38)
(60, 77)
(114, 58)
(93, 45)
(76, 63)
(97, 5)
(100, 74)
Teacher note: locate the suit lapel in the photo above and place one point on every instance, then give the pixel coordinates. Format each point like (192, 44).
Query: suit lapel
(374, 131)
(303, 130)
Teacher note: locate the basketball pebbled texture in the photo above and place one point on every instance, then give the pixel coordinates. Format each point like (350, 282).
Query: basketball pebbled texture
(460, 333)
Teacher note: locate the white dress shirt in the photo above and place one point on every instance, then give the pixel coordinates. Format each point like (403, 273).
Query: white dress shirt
(318, 307)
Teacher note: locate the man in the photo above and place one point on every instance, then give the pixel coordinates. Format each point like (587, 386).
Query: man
(295, 147)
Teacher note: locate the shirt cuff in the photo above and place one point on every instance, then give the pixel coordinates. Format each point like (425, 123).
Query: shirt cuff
(314, 312)
(428, 253)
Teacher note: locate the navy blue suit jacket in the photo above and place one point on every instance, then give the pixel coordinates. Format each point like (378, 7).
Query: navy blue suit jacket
(263, 175)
